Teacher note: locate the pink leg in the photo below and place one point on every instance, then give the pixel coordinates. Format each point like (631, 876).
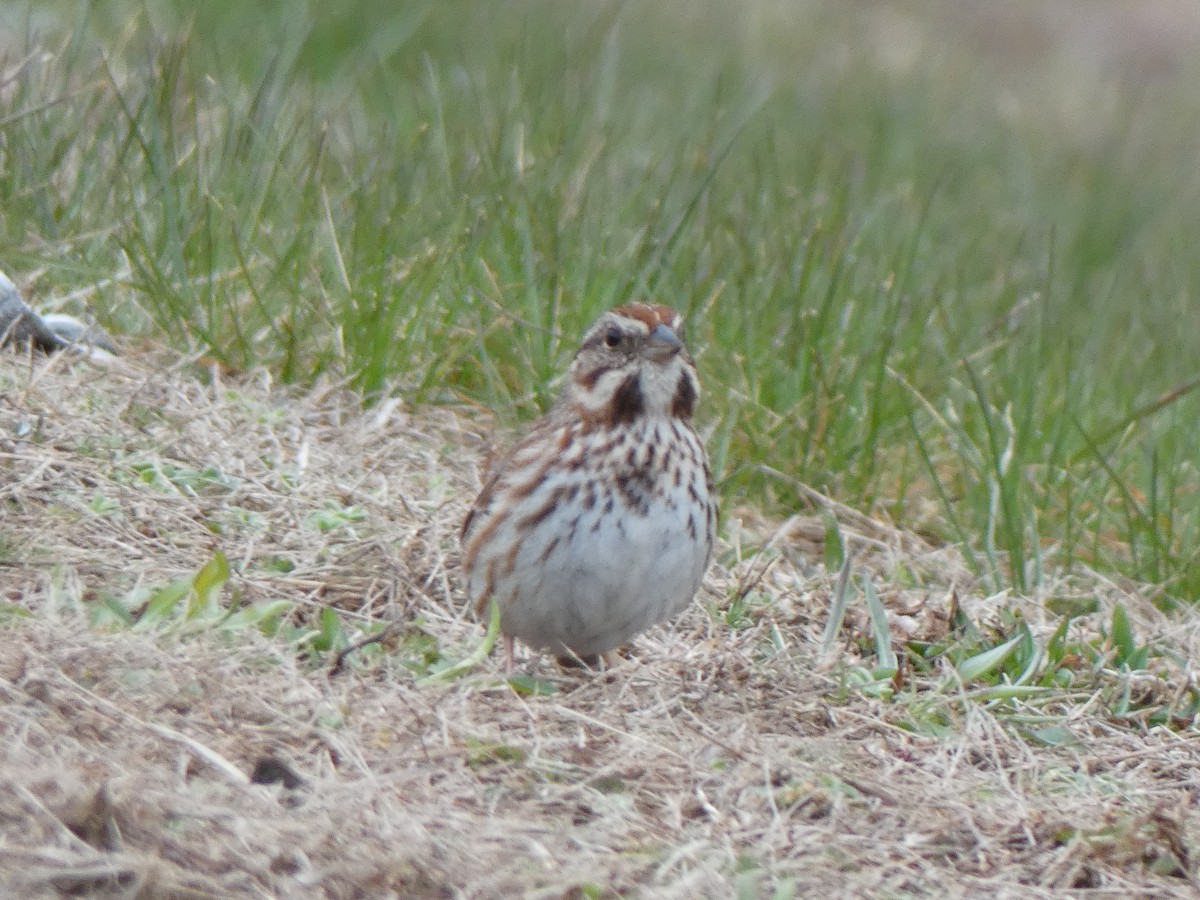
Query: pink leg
(508, 651)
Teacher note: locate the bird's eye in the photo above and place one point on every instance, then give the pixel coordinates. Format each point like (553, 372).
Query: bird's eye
(613, 337)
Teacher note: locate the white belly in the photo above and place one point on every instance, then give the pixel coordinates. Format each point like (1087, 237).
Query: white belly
(588, 579)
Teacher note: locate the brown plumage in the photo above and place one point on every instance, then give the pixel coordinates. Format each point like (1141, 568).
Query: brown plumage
(599, 522)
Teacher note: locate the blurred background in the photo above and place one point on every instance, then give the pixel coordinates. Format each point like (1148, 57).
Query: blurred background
(938, 257)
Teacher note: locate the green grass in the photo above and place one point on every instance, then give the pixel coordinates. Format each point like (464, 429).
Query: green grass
(954, 292)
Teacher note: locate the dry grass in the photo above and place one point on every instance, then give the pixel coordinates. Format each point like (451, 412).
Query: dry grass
(714, 762)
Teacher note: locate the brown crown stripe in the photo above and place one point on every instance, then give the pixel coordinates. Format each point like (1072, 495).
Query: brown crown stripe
(651, 315)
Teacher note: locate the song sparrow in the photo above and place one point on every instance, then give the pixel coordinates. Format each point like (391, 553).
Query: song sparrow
(599, 523)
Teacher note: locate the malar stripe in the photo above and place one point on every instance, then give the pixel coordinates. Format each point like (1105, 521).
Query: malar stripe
(684, 402)
(628, 404)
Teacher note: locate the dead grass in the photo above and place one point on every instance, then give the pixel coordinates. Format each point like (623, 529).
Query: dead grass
(714, 762)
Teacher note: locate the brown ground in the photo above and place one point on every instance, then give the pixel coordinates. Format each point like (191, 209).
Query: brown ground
(714, 762)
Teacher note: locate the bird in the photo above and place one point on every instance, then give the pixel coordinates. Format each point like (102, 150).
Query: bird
(21, 325)
(599, 522)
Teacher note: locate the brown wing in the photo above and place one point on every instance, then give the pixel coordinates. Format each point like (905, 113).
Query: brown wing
(497, 464)
(492, 470)
(495, 468)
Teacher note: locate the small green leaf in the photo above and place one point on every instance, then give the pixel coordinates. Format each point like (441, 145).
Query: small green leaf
(279, 565)
(163, 601)
(876, 682)
(482, 753)
(206, 586)
(1056, 649)
(1072, 607)
(1121, 706)
(528, 686)
(737, 614)
(263, 616)
(331, 517)
(880, 628)
(271, 614)
(837, 609)
(1167, 865)
(1122, 635)
(983, 663)
(1008, 692)
(109, 607)
(105, 506)
(1054, 736)
(834, 549)
(465, 665)
(1029, 656)
(331, 636)
(609, 784)
(1139, 658)
(10, 611)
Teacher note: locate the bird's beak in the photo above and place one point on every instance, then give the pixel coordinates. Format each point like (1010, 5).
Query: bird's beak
(663, 344)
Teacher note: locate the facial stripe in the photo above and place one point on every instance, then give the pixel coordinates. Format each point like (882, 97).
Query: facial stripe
(628, 404)
(684, 402)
